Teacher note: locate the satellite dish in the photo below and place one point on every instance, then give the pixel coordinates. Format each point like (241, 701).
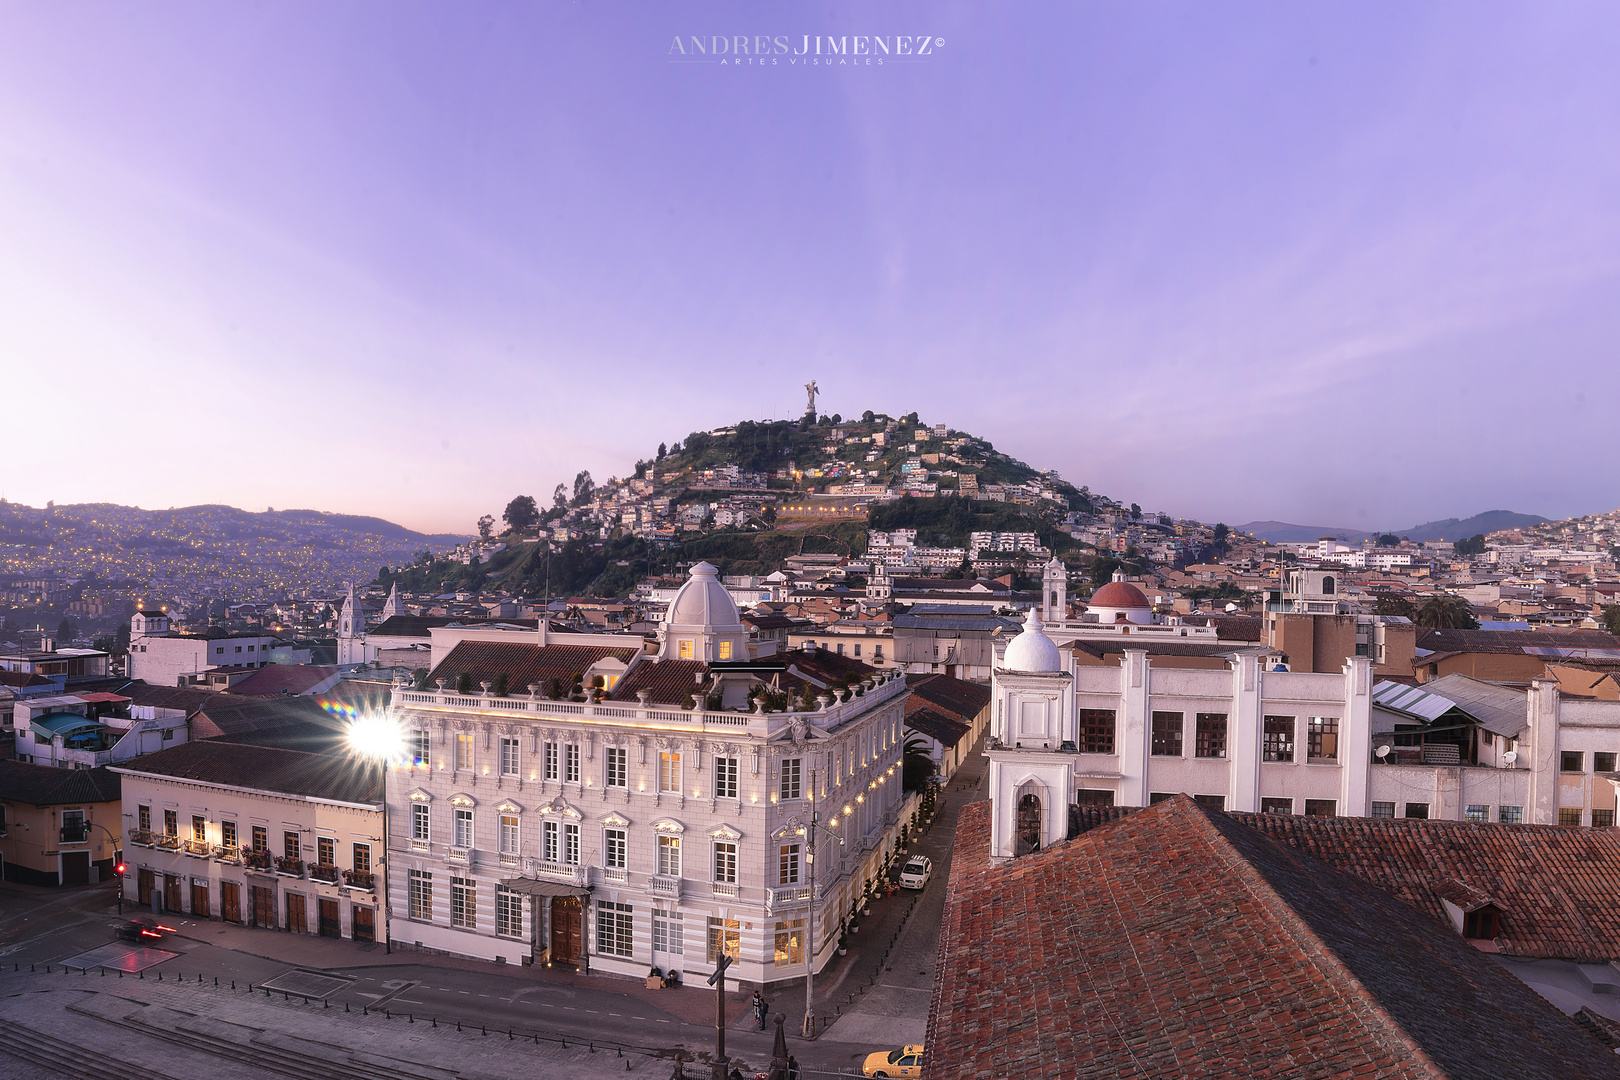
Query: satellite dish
(1511, 756)
(1382, 752)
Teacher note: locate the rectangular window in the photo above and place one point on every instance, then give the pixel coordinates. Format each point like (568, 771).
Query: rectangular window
(614, 929)
(669, 932)
(1322, 738)
(1417, 810)
(857, 650)
(509, 834)
(669, 771)
(144, 816)
(289, 845)
(617, 849)
(571, 763)
(464, 749)
(419, 822)
(171, 823)
(227, 833)
(669, 856)
(792, 778)
(1279, 739)
(725, 936)
(1571, 761)
(1478, 814)
(1383, 809)
(618, 767)
(421, 894)
(1603, 819)
(261, 838)
(508, 912)
(1214, 802)
(509, 757)
(1276, 806)
(571, 844)
(553, 761)
(725, 862)
(725, 650)
(725, 778)
(789, 943)
(464, 828)
(1510, 815)
(1602, 762)
(199, 828)
(419, 746)
(683, 650)
(362, 858)
(1321, 808)
(1209, 735)
(1569, 818)
(1096, 731)
(550, 844)
(326, 851)
(787, 864)
(463, 903)
(1157, 797)
(1167, 734)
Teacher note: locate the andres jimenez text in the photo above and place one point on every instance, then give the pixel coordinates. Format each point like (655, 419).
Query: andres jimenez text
(810, 49)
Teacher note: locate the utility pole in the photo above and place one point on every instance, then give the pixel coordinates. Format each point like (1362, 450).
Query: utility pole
(718, 981)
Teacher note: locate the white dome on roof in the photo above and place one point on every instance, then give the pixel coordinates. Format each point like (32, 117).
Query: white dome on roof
(1032, 652)
(703, 603)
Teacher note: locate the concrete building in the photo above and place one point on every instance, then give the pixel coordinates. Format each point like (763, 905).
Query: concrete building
(163, 656)
(58, 826)
(257, 835)
(89, 730)
(626, 806)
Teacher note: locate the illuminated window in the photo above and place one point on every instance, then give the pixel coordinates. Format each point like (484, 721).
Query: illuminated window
(464, 749)
(685, 650)
(669, 856)
(618, 767)
(669, 771)
(725, 650)
(725, 936)
(725, 862)
(725, 778)
(789, 942)
(787, 864)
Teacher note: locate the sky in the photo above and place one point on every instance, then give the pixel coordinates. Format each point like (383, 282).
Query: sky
(1342, 263)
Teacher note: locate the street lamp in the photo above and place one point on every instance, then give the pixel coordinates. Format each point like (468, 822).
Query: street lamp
(809, 833)
(118, 861)
(376, 735)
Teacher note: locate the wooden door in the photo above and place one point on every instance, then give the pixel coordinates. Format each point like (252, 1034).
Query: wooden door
(264, 907)
(365, 928)
(75, 868)
(199, 899)
(171, 892)
(567, 930)
(331, 924)
(297, 920)
(230, 901)
(143, 887)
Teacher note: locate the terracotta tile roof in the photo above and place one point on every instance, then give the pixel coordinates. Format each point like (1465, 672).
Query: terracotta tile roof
(292, 679)
(22, 678)
(522, 663)
(295, 723)
(956, 697)
(669, 681)
(417, 626)
(943, 728)
(1178, 941)
(188, 698)
(823, 667)
(1510, 641)
(46, 785)
(343, 777)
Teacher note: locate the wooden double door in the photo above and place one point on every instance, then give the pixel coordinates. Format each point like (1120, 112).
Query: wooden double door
(145, 881)
(171, 892)
(331, 918)
(199, 899)
(365, 925)
(230, 901)
(297, 915)
(262, 910)
(567, 930)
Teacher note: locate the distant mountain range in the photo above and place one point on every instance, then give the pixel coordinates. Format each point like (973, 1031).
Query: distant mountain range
(1446, 529)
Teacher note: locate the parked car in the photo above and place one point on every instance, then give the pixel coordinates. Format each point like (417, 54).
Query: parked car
(144, 931)
(906, 1061)
(916, 872)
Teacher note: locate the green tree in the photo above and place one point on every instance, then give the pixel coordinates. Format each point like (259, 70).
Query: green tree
(1445, 612)
(522, 512)
(559, 499)
(1392, 603)
(1221, 532)
(662, 450)
(1611, 618)
(1472, 545)
(67, 629)
(1136, 512)
(1387, 540)
(1102, 569)
(584, 487)
(916, 765)
(486, 526)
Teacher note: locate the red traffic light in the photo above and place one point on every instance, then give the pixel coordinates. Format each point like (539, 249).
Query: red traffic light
(120, 868)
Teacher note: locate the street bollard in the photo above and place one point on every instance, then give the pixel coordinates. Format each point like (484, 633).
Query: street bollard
(485, 1027)
(411, 1017)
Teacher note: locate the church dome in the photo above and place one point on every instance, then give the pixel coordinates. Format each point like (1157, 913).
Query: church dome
(1032, 652)
(1119, 594)
(703, 602)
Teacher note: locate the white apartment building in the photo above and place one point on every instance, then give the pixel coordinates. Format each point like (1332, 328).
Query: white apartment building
(1240, 737)
(266, 837)
(163, 657)
(657, 818)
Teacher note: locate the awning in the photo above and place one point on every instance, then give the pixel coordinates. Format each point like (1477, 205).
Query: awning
(536, 887)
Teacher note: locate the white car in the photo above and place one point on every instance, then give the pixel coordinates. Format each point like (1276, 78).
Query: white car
(916, 872)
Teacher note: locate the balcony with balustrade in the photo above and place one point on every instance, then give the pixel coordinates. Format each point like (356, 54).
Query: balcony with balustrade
(664, 887)
(568, 873)
(360, 879)
(323, 872)
(286, 867)
(198, 849)
(256, 860)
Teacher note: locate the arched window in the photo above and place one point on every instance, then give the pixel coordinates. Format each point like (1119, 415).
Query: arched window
(1029, 825)
(1327, 586)
(1054, 600)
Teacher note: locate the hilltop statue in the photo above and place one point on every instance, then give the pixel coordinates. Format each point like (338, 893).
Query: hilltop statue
(811, 391)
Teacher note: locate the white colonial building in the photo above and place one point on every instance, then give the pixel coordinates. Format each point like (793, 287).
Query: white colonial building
(621, 803)
(1170, 718)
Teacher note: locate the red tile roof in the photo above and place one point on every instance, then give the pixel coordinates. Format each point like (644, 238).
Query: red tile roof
(1178, 941)
(522, 663)
(669, 681)
(292, 679)
(341, 777)
(954, 697)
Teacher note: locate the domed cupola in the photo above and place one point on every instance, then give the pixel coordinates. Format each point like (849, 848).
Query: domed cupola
(1032, 652)
(703, 622)
(1120, 601)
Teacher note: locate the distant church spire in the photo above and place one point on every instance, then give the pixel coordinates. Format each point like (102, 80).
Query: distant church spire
(392, 606)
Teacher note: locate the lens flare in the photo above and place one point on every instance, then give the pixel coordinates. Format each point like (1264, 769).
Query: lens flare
(373, 734)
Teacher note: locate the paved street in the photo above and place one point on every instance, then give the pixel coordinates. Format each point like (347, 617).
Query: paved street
(877, 996)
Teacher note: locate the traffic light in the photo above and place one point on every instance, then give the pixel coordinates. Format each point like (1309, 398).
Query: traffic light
(120, 868)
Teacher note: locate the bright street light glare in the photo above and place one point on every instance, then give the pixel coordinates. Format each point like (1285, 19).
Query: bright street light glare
(375, 735)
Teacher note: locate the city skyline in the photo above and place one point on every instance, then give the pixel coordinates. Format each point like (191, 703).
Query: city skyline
(1342, 267)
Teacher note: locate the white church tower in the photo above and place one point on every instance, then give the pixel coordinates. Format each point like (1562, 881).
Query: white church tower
(392, 607)
(1055, 592)
(351, 635)
(1032, 746)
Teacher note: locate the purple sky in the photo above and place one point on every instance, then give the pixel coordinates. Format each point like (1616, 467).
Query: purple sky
(1340, 263)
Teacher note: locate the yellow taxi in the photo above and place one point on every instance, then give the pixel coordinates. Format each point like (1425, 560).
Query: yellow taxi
(906, 1061)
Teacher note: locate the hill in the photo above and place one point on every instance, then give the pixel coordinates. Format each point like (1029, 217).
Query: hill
(1457, 529)
(1281, 532)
